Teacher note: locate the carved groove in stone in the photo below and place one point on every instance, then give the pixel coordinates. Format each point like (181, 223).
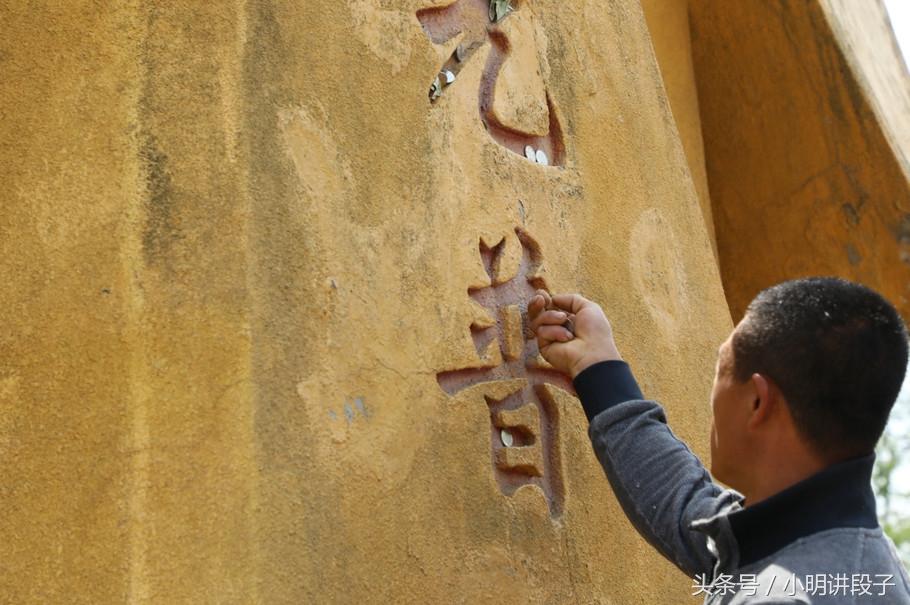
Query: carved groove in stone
(526, 408)
(470, 20)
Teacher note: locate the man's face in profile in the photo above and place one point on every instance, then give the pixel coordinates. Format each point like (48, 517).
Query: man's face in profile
(731, 402)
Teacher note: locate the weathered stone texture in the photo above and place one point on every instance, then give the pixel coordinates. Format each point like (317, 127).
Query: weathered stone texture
(260, 338)
(805, 108)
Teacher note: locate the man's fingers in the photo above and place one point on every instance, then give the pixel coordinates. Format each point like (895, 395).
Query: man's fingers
(539, 302)
(554, 333)
(555, 318)
(545, 296)
(572, 303)
(535, 306)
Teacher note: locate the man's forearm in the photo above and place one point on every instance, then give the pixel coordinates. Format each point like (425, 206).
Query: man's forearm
(660, 483)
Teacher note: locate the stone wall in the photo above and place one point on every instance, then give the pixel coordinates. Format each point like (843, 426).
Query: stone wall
(264, 268)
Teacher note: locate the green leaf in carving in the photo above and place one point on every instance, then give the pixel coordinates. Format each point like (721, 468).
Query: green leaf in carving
(499, 9)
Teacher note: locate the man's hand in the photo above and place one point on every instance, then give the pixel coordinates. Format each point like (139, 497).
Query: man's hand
(567, 352)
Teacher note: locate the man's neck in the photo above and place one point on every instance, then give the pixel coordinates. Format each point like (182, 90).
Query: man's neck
(778, 474)
(840, 495)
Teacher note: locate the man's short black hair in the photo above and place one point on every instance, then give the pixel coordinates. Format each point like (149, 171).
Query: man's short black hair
(837, 351)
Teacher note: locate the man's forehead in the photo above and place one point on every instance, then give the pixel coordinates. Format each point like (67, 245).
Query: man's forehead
(729, 339)
(725, 349)
(739, 327)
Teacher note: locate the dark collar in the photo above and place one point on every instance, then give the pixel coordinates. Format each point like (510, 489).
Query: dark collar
(837, 496)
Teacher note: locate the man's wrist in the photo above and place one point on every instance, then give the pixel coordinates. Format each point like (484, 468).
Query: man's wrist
(609, 354)
(604, 384)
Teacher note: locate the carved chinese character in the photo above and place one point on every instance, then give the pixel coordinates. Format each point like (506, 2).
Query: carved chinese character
(514, 381)
(515, 106)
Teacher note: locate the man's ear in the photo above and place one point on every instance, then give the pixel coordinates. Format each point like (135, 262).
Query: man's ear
(765, 395)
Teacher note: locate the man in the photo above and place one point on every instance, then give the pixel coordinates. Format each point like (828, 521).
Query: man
(802, 392)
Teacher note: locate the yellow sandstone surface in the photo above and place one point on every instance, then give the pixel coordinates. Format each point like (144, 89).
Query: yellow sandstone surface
(262, 336)
(668, 24)
(805, 116)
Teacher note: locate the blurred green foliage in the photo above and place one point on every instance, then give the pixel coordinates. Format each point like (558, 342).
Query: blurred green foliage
(892, 459)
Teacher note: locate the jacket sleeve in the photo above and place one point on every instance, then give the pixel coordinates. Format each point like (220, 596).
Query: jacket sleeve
(660, 484)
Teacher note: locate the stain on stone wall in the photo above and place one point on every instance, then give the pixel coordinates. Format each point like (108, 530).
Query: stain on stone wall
(160, 225)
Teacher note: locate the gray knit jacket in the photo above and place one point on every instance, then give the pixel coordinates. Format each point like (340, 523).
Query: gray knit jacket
(818, 541)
